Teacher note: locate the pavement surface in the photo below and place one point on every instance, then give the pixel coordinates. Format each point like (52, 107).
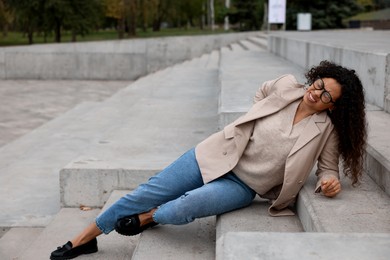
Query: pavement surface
(28, 104)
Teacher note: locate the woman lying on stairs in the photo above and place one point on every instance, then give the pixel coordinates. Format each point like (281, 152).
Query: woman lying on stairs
(269, 151)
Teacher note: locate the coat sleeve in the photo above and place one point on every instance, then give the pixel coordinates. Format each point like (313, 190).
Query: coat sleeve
(328, 161)
(267, 88)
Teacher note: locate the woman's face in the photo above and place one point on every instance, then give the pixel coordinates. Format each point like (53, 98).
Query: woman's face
(322, 94)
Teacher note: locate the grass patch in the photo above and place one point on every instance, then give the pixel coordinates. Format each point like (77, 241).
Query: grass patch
(17, 38)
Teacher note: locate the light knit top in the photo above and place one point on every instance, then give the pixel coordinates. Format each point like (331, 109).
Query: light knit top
(263, 161)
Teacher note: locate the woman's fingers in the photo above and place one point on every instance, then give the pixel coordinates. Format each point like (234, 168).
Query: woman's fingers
(331, 188)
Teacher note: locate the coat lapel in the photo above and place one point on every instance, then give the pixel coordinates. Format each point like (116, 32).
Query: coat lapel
(271, 104)
(309, 132)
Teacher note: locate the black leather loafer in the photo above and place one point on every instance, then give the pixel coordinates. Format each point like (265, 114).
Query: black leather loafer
(130, 226)
(68, 252)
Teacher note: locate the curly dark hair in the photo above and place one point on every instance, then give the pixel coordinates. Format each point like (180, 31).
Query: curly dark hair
(348, 116)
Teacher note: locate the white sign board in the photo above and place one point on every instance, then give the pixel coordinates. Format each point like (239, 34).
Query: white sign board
(304, 22)
(276, 11)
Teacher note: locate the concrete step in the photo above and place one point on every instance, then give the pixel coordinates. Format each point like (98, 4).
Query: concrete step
(193, 63)
(200, 62)
(30, 171)
(240, 77)
(241, 74)
(114, 246)
(192, 241)
(33, 161)
(167, 115)
(99, 60)
(251, 46)
(236, 47)
(203, 60)
(67, 224)
(305, 246)
(213, 61)
(225, 50)
(16, 241)
(262, 42)
(378, 149)
(254, 218)
(366, 51)
(364, 209)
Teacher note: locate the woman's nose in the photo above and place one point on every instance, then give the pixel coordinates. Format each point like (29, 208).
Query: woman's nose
(317, 92)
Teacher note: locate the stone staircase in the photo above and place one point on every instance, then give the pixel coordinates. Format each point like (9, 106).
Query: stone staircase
(104, 150)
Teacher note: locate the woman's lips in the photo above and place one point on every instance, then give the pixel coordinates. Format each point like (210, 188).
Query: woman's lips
(311, 98)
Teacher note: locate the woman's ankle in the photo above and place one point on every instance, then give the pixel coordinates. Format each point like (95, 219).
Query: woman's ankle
(89, 233)
(147, 217)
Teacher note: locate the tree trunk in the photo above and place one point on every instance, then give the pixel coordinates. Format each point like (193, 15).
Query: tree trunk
(156, 25)
(74, 36)
(121, 28)
(5, 30)
(57, 30)
(143, 16)
(132, 19)
(30, 32)
(30, 37)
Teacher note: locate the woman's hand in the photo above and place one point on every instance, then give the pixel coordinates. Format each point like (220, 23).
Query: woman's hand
(330, 187)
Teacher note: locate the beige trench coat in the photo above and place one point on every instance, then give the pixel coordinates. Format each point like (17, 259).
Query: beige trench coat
(219, 153)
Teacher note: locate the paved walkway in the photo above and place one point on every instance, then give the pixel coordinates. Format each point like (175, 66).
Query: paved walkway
(28, 104)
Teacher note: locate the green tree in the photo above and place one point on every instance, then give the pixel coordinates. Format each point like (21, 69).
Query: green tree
(368, 5)
(6, 16)
(78, 16)
(29, 15)
(326, 14)
(118, 10)
(131, 14)
(84, 16)
(191, 10)
(248, 14)
(160, 10)
(380, 4)
(55, 14)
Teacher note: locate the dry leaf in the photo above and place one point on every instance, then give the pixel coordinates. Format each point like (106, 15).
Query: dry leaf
(85, 208)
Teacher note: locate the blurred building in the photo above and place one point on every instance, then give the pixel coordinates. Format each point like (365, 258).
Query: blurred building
(378, 20)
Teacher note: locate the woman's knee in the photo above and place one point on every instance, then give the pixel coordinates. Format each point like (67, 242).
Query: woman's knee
(177, 212)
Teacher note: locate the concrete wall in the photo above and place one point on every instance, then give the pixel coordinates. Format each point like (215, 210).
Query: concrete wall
(107, 60)
(372, 67)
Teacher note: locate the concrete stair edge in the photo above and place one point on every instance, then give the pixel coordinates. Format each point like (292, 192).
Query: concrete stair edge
(261, 42)
(66, 224)
(308, 52)
(9, 151)
(377, 163)
(213, 61)
(84, 186)
(114, 246)
(251, 46)
(362, 209)
(237, 47)
(305, 246)
(30, 155)
(254, 218)
(195, 240)
(141, 160)
(17, 240)
(240, 78)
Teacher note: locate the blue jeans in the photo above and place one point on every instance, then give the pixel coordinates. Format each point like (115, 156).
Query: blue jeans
(180, 196)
